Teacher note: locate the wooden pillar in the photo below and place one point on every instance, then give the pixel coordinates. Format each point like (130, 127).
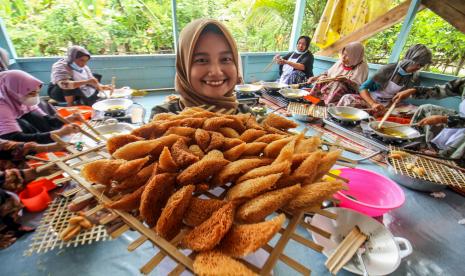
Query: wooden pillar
(174, 24)
(297, 23)
(5, 42)
(404, 31)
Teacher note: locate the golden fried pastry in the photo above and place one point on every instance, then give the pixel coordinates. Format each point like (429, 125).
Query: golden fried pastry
(163, 116)
(283, 168)
(166, 141)
(308, 145)
(134, 182)
(234, 169)
(136, 149)
(229, 132)
(268, 138)
(310, 165)
(216, 141)
(210, 232)
(327, 162)
(237, 124)
(118, 141)
(204, 114)
(231, 143)
(150, 130)
(192, 122)
(200, 210)
(195, 149)
(154, 196)
(129, 168)
(202, 138)
(166, 161)
(298, 158)
(252, 187)
(314, 194)
(128, 202)
(101, 171)
(254, 148)
(236, 152)
(209, 165)
(251, 135)
(279, 122)
(274, 130)
(181, 154)
(274, 148)
(286, 152)
(250, 121)
(244, 239)
(170, 221)
(420, 171)
(181, 131)
(213, 263)
(289, 180)
(216, 123)
(256, 209)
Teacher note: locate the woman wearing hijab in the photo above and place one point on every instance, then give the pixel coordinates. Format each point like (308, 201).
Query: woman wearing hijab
(207, 68)
(21, 118)
(350, 71)
(4, 60)
(378, 91)
(71, 79)
(297, 66)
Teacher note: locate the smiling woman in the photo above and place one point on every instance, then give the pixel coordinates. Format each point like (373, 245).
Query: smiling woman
(206, 68)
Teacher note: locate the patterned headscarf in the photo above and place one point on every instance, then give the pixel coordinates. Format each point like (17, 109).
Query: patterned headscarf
(187, 42)
(359, 73)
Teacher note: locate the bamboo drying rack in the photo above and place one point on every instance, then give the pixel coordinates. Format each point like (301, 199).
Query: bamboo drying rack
(312, 110)
(435, 171)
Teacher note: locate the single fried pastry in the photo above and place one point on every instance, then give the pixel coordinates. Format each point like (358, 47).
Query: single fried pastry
(209, 165)
(101, 171)
(234, 169)
(251, 135)
(327, 162)
(213, 263)
(311, 195)
(118, 141)
(132, 183)
(283, 167)
(129, 168)
(200, 210)
(235, 152)
(268, 138)
(166, 161)
(181, 154)
(136, 149)
(286, 152)
(279, 122)
(228, 132)
(202, 138)
(231, 143)
(150, 130)
(216, 141)
(181, 131)
(254, 148)
(216, 123)
(252, 187)
(308, 145)
(195, 149)
(128, 202)
(274, 148)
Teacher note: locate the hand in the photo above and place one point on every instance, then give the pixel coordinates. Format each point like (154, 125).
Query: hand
(378, 108)
(105, 87)
(67, 129)
(93, 81)
(311, 79)
(75, 117)
(53, 147)
(402, 95)
(280, 61)
(433, 120)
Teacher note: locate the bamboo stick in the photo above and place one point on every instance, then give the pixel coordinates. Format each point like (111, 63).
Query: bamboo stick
(138, 242)
(66, 121)
(290, 262)
(386, 115)
(68, 157)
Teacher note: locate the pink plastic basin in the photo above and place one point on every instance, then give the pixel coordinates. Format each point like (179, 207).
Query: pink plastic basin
(369, 193)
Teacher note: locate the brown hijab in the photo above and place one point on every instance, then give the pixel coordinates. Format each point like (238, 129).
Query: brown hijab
(187, 42)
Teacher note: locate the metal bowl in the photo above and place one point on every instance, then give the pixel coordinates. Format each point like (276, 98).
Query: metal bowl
(111, 128)
(406, 132)
(291, 93)
(347, 113)
(303, 117)
(112, 105)
(273, 85)
(247, 88)
(411, 182)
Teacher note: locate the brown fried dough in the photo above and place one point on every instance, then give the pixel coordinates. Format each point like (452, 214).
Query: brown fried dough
(170, 221)
(283, 168)
(254, 148)
(308, 145)
(132, 183)
(216, 123)
(311, 195)
(181, 154)
(274, 130)
(202, 138)
(181, 131)
(274, 148)
(129, 168)
(154, 196)
(150, 130)
(310, 165)
(231, 143)
(213, 263)
(101, 171)
(128, 202)
(166, 141)
(244, 239)
(163, 116)
(237, 123)
(136, 149)
(279, 122)
(118, 141)
(166, 161)
(234, 169)
(209, 165)
(229, 132)
(200, 210)
(250, 121)
(268, 138)
(195, 149)
(251, 135)
(216, 141)
(192, 122)
(327, 162)
(298, 158)
(235, 152)
(286, 152)
(258, 208)
(252, 187)
(210, 232)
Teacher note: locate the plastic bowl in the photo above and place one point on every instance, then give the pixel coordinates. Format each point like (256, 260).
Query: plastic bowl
(35, 198)
(369, 193)
(44, 182)
(86, 111)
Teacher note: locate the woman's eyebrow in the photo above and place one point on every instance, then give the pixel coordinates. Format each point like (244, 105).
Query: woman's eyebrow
(200, 54)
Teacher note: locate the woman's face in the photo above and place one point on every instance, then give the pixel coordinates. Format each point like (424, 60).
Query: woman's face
(301, 45)
(345, 58)
(35, 92)
(82, 61)
(213, 72)
(413, 67)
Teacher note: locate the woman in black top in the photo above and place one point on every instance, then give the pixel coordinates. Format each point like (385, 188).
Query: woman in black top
(297, 66)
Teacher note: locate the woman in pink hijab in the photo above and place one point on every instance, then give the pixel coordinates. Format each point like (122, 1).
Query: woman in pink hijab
(21, 119)
(347, 73)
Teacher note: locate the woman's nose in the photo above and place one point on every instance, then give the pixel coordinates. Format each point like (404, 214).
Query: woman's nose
(215, 69)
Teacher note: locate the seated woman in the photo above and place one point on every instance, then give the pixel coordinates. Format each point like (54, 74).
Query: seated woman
(377, 92)
(4, 60)
(21, 119)
(72, 80)
(349, 72)
(297, 66)
(443, 127)
(207, 69)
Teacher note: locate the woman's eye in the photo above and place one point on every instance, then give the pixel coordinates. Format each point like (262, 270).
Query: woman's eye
(227, 59)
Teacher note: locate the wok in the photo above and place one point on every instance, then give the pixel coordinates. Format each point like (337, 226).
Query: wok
(273, 85)
(291, 93)
(402, 132)
(247, 88)
(347, 113)
(112, 105)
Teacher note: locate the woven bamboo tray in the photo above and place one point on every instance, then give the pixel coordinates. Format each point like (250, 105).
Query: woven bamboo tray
(435, 171)
(185, 258)
(312, 110)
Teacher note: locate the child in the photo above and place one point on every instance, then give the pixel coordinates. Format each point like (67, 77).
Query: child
(207, 69)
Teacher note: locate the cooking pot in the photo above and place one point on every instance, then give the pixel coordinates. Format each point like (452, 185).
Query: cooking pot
(347, 113)
(402, 132)
(383, 253)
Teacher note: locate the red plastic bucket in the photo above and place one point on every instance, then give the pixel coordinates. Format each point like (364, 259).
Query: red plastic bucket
(35, 198)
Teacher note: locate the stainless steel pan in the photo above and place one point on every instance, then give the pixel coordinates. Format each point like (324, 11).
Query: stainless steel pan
(112, 105)
(347, 113)
(406, 132)
(273, 85)
(384, 252)
(247, 88)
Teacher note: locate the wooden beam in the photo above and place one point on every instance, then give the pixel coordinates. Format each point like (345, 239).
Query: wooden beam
(174, 22)
(452, 11)
(381, 23)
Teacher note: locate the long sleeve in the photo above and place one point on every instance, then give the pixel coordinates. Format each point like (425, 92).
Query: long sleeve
(41, 138)
(370, 84)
